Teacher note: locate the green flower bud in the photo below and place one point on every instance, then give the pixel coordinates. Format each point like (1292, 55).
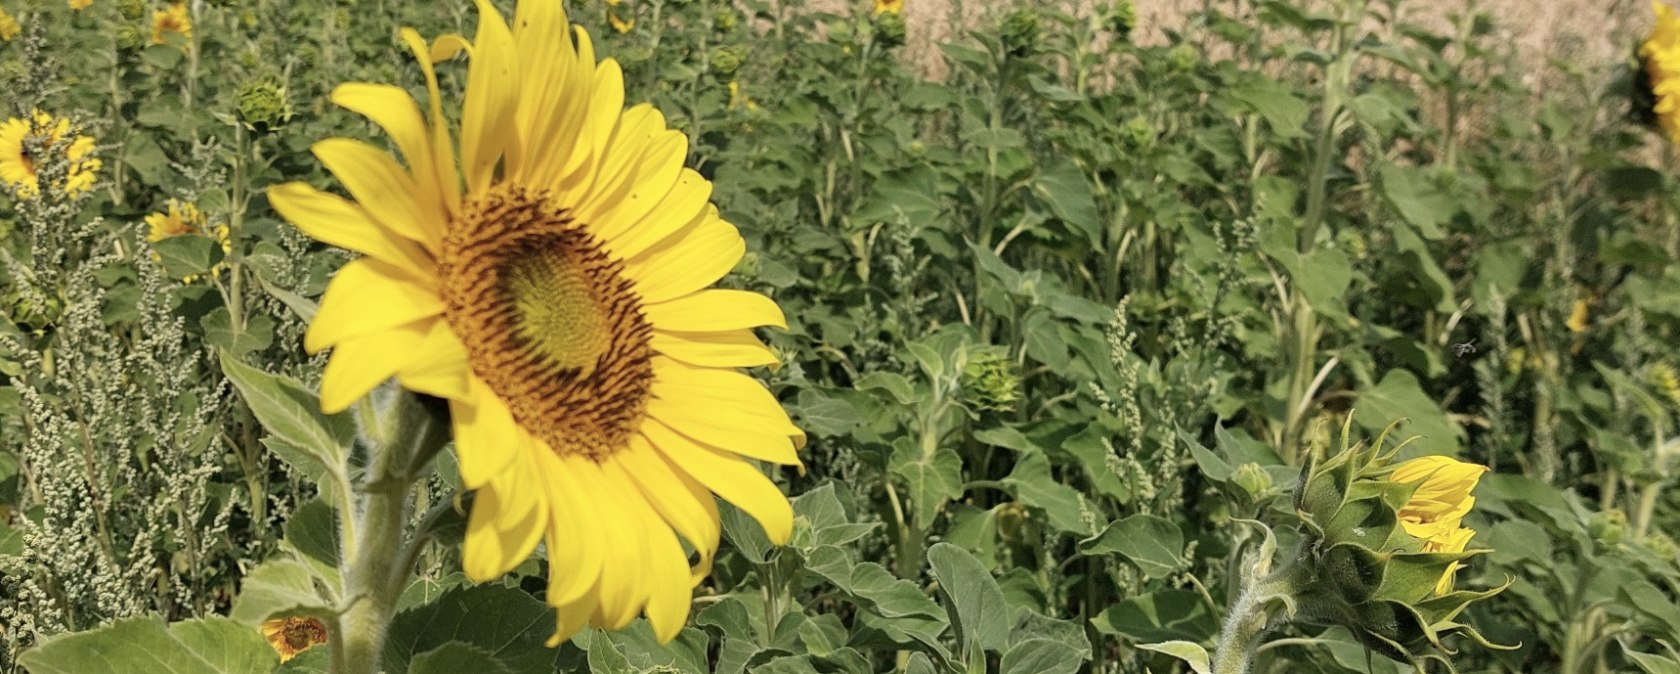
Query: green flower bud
(130, 37)
(724, 61)
(133, 10)
(725, 20)
(263, 106)
(890, 29)
(1013, 522)
(1139, 132)
(1662, 545)
(1183, 57)
(1254, 481)
(990, 382)
(1121, 19)
(1020, 32)
(1608, 528)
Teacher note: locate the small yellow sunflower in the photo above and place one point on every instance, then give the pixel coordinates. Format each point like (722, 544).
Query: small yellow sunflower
(550, 279)
(619, 24)
(19, 169)
(294, 635)
(177, 219)
(183, 217)
(80, 5)
(1438, 506)
(9, 28)
(176, 19)
(889, 6)
(1661, 55)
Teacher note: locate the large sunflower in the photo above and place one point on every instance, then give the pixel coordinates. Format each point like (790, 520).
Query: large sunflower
(1660, 58)
(19, 168)
(552, 286)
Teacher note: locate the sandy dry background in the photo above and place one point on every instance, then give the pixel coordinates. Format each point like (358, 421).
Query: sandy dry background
(1581, 31)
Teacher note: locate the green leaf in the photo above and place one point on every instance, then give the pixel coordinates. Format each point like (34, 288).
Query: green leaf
(1411, 192)
(1149, 542)
(1400, 396)
(1283, 110)
(1191, 653)
(280, 587)
(188, 254)
(1167, 615)
(1515, 541)
(208, 646)
(256, 335)
(1030, 481)
(1041, 656)
(313, 530)
(824, 415)
(507, 623)
(1067, 191)
(293, 415)
(457, 657)
(1653, 664)
(975, 604)
(933, 479)
(891, 383)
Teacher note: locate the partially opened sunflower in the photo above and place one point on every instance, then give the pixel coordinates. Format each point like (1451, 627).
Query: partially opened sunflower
(549, 276)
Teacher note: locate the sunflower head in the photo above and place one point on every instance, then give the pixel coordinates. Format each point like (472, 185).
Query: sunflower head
(294, 635)
(80, 5)
(9, 28)
(1659, 60)
(27, 145)
(889, 6)
(1382, 543)
(174, 19)
(177, 219)
(548, 275)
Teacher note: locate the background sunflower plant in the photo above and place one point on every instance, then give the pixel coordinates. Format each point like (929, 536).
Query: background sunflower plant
(850, 337)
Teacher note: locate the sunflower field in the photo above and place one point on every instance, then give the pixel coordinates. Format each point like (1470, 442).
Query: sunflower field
(773, 337)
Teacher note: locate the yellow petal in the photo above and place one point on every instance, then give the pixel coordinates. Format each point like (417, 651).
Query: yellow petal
(624, 545)
(384, 189)
(733, 348)
(731, 478)
(684, 505)
(687, 262)
(357, 365)
(487, 114)
(575, 556)
(570, 618)
(715, 310)
(669, 593)
(679, 209)
(365, 296)
(486, 438)
(334, 221)
(393, 110)
(439, 366)
(508, 516)
(443, 162)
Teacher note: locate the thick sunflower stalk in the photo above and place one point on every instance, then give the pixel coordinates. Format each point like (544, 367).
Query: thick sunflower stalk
(1381, 542)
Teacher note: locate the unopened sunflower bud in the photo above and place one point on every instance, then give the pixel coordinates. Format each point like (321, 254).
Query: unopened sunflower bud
(133, 10)
(1608, 528)
(990, 382)
(263, 106)
(724, 61)
(130, 37)
(1182, 57)
(1666, 381)
(1020, 32)
(725, 20)
(1013, 521)
(1139, 132)
(890, 29)
(1661, 545)
(1254, 481)
(1122, 19)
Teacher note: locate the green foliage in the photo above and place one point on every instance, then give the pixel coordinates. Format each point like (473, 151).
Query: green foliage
(1068, 298)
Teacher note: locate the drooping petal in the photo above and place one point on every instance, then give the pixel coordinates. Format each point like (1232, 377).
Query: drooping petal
(368, 295)
(361, 363)
(509, 515)
(729, 477)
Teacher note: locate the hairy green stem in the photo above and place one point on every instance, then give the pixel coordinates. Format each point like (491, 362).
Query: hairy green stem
(374, 577)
